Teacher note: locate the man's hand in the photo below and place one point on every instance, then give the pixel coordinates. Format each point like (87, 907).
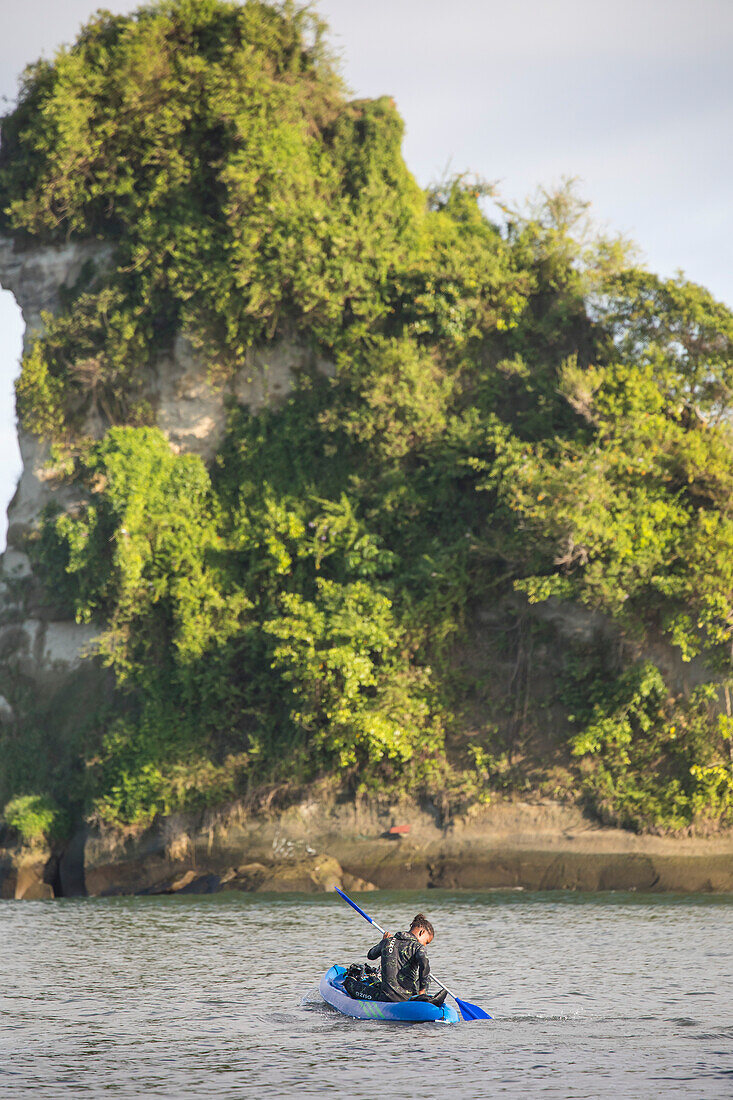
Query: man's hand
(387, 935)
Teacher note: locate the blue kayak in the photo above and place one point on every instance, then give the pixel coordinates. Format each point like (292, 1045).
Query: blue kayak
(332, 990)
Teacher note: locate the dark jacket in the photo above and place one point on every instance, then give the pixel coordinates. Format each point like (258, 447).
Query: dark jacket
(405, 966)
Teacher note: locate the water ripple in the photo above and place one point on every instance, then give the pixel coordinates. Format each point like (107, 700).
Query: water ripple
(200, 996)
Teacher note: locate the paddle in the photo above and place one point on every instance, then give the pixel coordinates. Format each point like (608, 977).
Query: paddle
(468, 1011)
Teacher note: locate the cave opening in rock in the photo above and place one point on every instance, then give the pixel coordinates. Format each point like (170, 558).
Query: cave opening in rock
(52, 876)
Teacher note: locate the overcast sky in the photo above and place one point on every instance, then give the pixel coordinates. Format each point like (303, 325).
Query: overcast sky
(634, 97)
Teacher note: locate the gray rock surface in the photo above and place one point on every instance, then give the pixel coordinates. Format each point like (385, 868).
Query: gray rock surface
(311, 848)
(190, 408)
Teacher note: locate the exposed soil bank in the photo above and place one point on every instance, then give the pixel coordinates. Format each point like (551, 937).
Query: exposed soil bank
(310, 847)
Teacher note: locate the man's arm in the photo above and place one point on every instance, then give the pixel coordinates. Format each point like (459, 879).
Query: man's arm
(423, 970)
(374, 952)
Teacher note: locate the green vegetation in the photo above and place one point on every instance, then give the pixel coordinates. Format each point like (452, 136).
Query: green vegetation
(35, 818)
(516, 412)
(653, 760)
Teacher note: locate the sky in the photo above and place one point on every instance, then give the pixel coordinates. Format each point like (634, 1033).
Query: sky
(633, 98)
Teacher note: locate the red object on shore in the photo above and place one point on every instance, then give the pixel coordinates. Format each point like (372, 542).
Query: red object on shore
(398, 830)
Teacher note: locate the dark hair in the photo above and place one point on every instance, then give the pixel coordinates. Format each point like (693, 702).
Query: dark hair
(421, 921)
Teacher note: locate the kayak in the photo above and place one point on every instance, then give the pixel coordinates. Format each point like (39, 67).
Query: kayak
(332, 990)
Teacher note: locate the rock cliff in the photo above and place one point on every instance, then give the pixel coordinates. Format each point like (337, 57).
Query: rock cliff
(487, 557)
(189, 408)
(308, 848)
(313, 846)
(32, 640)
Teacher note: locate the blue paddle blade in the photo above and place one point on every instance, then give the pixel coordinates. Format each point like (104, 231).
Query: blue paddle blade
(471, 1012)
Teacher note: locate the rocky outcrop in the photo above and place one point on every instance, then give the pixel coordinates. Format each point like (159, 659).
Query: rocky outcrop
(311, 848)
(39, 278)
(35, 644)
(312, 875)
(584, 626)
(28, 873)
(190, 408)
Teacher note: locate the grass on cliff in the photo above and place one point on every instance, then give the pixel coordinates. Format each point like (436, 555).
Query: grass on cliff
(516, 411)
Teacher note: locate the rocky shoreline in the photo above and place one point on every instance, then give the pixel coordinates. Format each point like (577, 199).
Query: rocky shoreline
(311, 848)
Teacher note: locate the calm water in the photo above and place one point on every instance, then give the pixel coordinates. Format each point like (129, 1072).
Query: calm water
(617, 995)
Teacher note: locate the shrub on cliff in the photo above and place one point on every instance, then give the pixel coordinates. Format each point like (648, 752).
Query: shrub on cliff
(183, 591)
(35, 818)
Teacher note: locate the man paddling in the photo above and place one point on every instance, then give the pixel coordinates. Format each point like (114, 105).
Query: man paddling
(405, 969)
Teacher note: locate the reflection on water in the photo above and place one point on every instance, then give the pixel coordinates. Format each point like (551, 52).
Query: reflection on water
(600, 995)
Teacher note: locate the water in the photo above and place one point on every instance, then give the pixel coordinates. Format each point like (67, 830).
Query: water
(593, 996)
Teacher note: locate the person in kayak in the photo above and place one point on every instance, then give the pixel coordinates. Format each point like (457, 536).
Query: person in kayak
(405, 969)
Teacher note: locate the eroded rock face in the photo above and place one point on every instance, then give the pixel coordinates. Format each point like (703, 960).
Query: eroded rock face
(38, 646)
(190, 408)
(37, 277)
(33, 642)
(114, 864)
(27, 874)
(313, 875)
(307, 849)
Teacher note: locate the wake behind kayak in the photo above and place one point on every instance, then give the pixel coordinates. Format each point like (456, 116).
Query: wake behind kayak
(332, 990)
